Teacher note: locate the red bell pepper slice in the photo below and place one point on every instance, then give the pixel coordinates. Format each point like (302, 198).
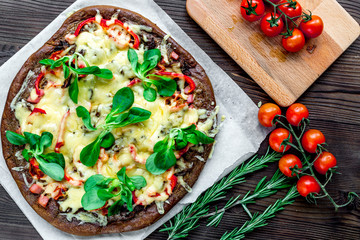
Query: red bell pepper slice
(71, 180)
(179, 75)
(58, 192)
(135, 199)
(34, 169)
(56, 55)
(38, 110)
(173, 182)
(104, 25)
(87, 21)
(161, 67)
(60, 140)
(38, 91)
(133, 82)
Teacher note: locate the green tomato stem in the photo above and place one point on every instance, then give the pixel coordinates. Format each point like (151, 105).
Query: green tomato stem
(302, 151)
(276, 8)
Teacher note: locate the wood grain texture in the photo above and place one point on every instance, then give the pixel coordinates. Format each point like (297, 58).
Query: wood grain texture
(283, 75)
(333, 102)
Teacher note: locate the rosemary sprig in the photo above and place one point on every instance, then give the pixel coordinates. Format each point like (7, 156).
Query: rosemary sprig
(259, 220)
(187, 219)
(262, 190)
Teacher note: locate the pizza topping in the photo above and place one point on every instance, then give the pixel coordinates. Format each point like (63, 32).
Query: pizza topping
(172, 182)
(172, 75)
(60, 140)
(163, 49)
(112, 27)
(71, 180)
(119, 35)
(174, 55)
(98, 19)
(122, 101)
(87, 217)
(164, 157)
(184, 184)
(160, 207)
(100, 189)
(37, 110)
(39, 92)
(51, 164)
(72, 65)
(43, 200)
(34, 170)
(165, 86)
(36, 189)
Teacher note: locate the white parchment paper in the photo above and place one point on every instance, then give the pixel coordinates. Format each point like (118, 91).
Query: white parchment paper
(238, 139)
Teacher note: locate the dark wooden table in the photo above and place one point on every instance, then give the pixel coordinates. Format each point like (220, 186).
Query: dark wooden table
(333, 101)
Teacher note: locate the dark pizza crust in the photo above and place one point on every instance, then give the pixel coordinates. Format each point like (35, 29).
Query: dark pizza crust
(145, 216)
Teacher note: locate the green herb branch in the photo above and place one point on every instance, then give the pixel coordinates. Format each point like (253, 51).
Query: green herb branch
(259, 220)
(99, 189)
(187, 219)
(70, 67)
(121, 115)
(52, 164)
(164, 158)
(262, 190)
(165, 86)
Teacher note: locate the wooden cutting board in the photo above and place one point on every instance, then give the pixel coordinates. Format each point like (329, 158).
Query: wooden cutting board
(284, 76)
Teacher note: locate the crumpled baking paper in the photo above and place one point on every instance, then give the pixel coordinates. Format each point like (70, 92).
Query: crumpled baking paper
(238, 139)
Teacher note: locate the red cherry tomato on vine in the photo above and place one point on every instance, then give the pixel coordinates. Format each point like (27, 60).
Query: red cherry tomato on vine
(312, 26)
(289, 161)
(311, 139)
(271, 25)
(291, 8)
(307, 185)
(295, 42)
(277, 137)
(325, 161)
(252, 10)
(267, 112)
(295, 113)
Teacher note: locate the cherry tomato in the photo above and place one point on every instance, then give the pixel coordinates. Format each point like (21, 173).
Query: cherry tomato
(277, 137)
(307, 184)
(289, 161)
(311, 139)
(267, 112)
(291, 8)
(325, 161)
(295, 42)
(313, 27)
(252, 10)
(271, 25)
(295, 113)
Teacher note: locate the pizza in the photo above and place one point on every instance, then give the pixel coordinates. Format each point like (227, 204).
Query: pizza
(109, 124)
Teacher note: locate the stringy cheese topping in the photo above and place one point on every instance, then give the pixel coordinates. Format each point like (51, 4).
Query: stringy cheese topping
(96, 95)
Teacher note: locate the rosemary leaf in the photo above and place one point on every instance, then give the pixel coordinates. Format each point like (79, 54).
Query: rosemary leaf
(187, 219)
(259, 220)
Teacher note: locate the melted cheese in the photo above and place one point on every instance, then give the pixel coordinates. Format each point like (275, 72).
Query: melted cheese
(73, 200)
(96, 95)
(87, 217)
